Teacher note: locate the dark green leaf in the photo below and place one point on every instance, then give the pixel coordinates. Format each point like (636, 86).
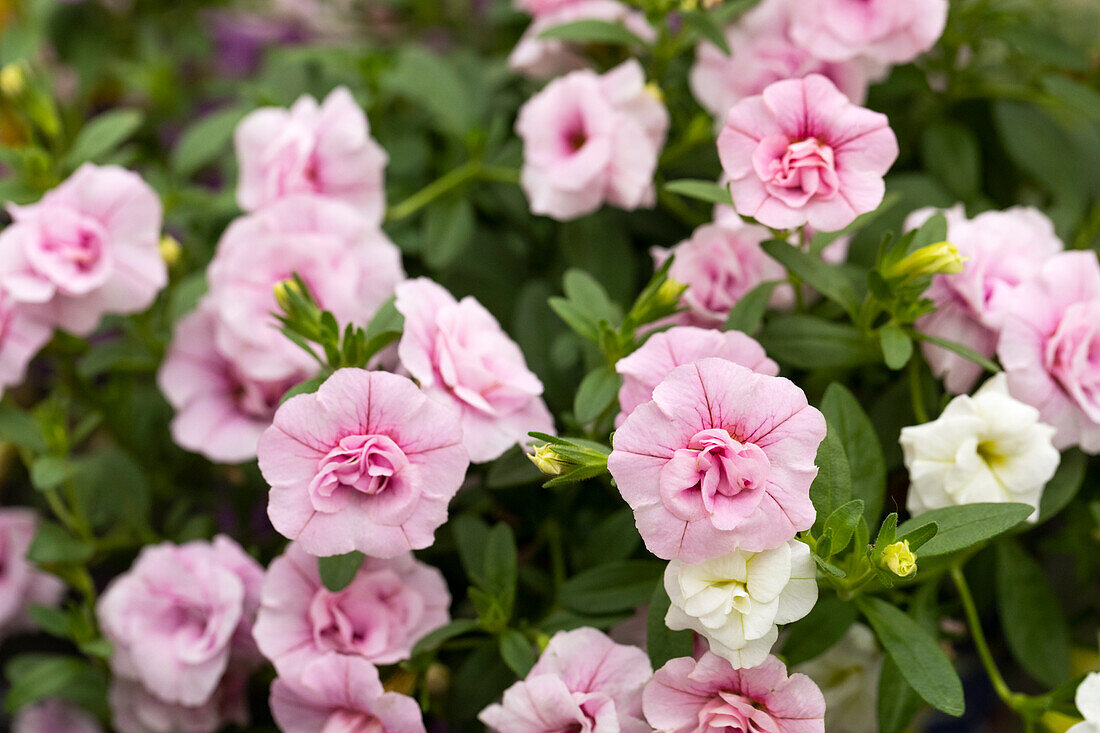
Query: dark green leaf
(115, 356)
(517, 652)
(857, 434)
(501, 566)
(435, 84)
(593, 31)
(53, 621)
(52, 543)
(49, 472)
(746, 315)
(471, 536)
(708, 191)
(614, 538)
(964, 351)
(513, 468)
(20, 428)
(809, 342)
(449, 229)
(818, 630)
(826, 279)
(896, 345)
(615, 586)
(435, 638)
(35, 677)
(1033, 621)
(960, 527)
(307, 386)
(587, 292)
(833, 485)
(951, 151)
(841, 524)
(103, 134)
(662, 643)
(919, 536)
(338, 571)
(897, 701)
(707, 26)
(597, 391)
(1064, 485)
(203, 142)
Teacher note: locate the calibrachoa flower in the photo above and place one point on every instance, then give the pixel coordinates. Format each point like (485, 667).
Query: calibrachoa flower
(220, 411)
(583, 681)
(542, 7)
(136, 710)
(884, 30)
(337, 692)
(88, 248)
(802, 153)
(721, 459)
(988, 447)
(23, 332)
(21, 584)
(461, 356)
(321, 149)
(664, 351)
(54, 716)
(1088, 704)
(349, 265)
(385, 609)
(848, 674)
(366, 463)
(737, 600)
(1050, 335)
(1002, 249)
(181, 616)
(542, 58)
(689, 696)
(763, 53)
(590, 138)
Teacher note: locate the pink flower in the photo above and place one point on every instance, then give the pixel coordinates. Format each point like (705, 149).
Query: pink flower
(388, 606)
(884, 30)
(89, 247)
(23, 332)
(220, 411)
(1050, 335)
(801, 153)
(721, 459)
(54, 716)
(1003, 248)
(181, 615)
(349, 265)
(648, 366)
(583, 681)
(461, 357)
(590, 138)
(21, 584)
(542, 7)
(136, 710)
(763, 53)
(366, 463)
(337, 692)
(543, 58)
(325, 150)
(689, 696)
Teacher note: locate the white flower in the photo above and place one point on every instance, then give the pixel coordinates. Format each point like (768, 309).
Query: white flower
(986, 447)
(848, 677)
(737, 600)
(1088, 704)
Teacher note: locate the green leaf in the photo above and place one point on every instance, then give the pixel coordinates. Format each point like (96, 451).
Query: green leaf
(620, 585)
(1083, 98)
(513, 468)
(338, 571)
(306, 386)
(119, 355)
(387, 318)
(832, 487)
(103, 134)
(748, 312)
(448, 231)
(707, 26)
(1064, 485)
(917, 654)
(841, 524)
(964, 351)
(49, 472)
(596, 393)
(517, 652)
(897, 701)
(593, 31)
(960, 527)
(471, 536)
(576, 318)
(932, 231)
(897, 347)
(434, 84)
(1041, 148)
(816, 632)
(53, 621)
(203, 142)
(919, 536)
(1033, 621)
(53, 544)
(613, 538)
(112, 488)
(587, 292)
(435, 638)
(951, 151)
(826, 279)
(662, 643)
(809, 342)
(20, 428)
(708, 191)
(501, 566)
(857, 434)
(35, 677)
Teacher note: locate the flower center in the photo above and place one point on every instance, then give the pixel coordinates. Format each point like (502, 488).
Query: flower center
(71, 252)
(731, 712)
(725, 466)
(352, 721)
(796, 172)
(367, 465)
(364, 618)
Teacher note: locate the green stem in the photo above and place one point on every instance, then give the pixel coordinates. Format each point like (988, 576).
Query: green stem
(915, 392)
(435, 189)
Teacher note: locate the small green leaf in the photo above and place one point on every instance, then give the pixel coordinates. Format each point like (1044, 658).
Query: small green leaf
(960, 527)
(49, 472)
(920, 536)
(593, 31)
(620, 585)
(861, 445)
(35, 677)
(897, 347)
(596, 393)
(832, 487)
(708, 191)
(103, 134)
(841, 524)
(20, 428)
(1033, 621)
(748, 312)
(587, 292)
(307, 386)
(203, 142)
(932, 231)
(471, 536)
(338, 571)
(826, 279)
(662, 643)
(576, 318)
(52, 544)
(517, 652)
(917, 654)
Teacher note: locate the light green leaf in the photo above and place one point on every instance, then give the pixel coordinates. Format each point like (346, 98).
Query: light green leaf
(897, 347)
(832, 487)
(203, 142)
(338, 571)
(597, 391)
(103, 134)
(857, 434)
(708, 191)
(593, 31)
(517, 652)
(960, 527)
(826, 279)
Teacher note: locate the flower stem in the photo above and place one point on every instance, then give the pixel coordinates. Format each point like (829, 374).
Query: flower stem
(915, 395)
(447, 182)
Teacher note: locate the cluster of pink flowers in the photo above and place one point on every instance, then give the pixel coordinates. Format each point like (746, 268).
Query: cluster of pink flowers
(21, 584)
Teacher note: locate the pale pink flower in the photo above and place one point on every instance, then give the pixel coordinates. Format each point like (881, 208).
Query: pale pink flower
(21, 584)
(337, 692)
(136, 710)
(801, 153)
(583, 681)
(763, 53)
(54, 716)
(181, 616)
(220, 411)
(542, 7)
(366, 463)
(1002, 249)
(23, 332)
(721, 459)
(1050, 336)
(349, 266)
(321, 149)
(884, 30)
(385, 609)
(543, 58)
(662, 352)
(590, 138)
(689, 696)
(461, 357)
(88, 248)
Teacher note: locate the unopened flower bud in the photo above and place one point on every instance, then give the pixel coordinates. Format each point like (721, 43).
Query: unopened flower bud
(170, 250)
(547, 460)
(13, 80)
(402, 681)
(942, 258)
(655, 91)
(670, 291)
(437, 679)
(283, 290)
(900, 559)
(542, 641)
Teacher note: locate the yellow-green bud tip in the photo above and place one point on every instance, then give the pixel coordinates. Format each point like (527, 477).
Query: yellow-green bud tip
(941, 258)
(547, 460)
(670, 291)
(900, 559)
(283, 290)
(655, 91)
(170, 250)
(13, 79)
